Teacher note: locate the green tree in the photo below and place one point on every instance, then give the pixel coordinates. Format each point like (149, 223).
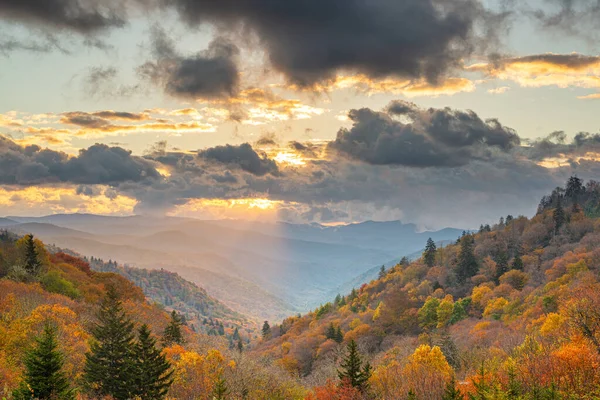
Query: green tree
(451, 392)
(574, 189)
(330, 332)
(382, 272)
(404, 261)
(266, 330)
(427, 314)
(44, 378)
(33, 265)
(467, 266)
(339, 336)
(240, 346)
(429, 253)
(172, 334)
(153, 374)
(352, 369)
(110, 366)
(517, 263)
(501, 265)
(220, 390)
(558, 215)
(411, 395)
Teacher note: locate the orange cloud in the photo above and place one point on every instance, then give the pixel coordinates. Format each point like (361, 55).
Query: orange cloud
(562, 70)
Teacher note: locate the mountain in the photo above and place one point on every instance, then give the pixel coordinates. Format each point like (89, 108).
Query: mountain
(512, 308)
(274, 269)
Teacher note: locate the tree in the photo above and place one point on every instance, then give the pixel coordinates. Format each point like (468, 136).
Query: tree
(240, 346)
(382, 272)
(352, 369)
(220, 390)
(32, 262)
(339, 336)
(404, 261)
(517, 263)
(266, 330)
(574, 189)
(110, 366)
(451, 392)
(330, 332)
(44, 378)
(467, 266)
(172, 334)
(501, 265)
(411, 395)
(429, 253)
(559, 214)
(153, 371)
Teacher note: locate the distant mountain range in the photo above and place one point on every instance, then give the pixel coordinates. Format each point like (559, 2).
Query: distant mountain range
(266, 270)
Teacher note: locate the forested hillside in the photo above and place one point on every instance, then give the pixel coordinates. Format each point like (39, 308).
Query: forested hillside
(202, 312)
(68, 332)
(510, 312)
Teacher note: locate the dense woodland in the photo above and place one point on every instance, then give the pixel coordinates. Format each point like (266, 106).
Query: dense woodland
(509, 312)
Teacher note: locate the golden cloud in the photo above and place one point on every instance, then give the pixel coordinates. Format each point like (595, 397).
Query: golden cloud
(38, 200)
(562, 70)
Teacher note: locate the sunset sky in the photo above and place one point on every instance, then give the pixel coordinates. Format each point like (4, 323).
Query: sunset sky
(437, 112)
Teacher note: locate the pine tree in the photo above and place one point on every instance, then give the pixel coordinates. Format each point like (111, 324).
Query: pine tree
(559, 215)
(330, 332)
(352, 369)
(44, 378)
(32, 262)
(153, 371)
(429, 253)
(382, 272)
(451, 392)
(467, 266)
(266, 330)
(110, 365)
(172, 334)
(517, 263)
(481, 387)
(404, 261)
(339, 337)
(220, 390)
(236, 334)
(501, 265)
(411, 395)
(240, 346)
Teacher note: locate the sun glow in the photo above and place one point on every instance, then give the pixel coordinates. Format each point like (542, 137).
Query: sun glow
(562, 160)
(243, 208)
(289, 158)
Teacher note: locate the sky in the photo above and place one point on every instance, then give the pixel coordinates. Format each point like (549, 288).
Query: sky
(436, 112)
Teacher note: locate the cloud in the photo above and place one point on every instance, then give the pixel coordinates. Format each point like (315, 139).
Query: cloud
(209, 74)
(82, 16)
(310, 42)
(242, 156)
(99, 164)
(562, 70)
(407, 135)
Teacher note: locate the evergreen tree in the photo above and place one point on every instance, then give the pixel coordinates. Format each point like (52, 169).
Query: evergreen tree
(404, 261)
(339, 337)
(153, 371)
(382, 272)
(574, 189)
(411, 395)
(236, 334)
(501, 265)
(517, 263)
(467, 266)
(559, 214)
(33, 265)
(352, 369)
(266, 330)
(172, 334)
(240, 346)
(330, 332)
(220, 390)
(337, 300)
(110, 366)
(481, 387)
(44, 378)
(429, 253)
(451, 392)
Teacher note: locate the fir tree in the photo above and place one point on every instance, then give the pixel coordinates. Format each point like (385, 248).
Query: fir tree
(110, 366)
(153, 371)
(481, 387)
(574, 189)
(429, 253)
(240, 346)
(330, 332)
(559, 214)
(517, 263)
(411, 395)
(339, 337)
(501, 265)
(220, 390)
(172, 334)
(451, 392)
(266, 330)
(404, 261)
(382, 272)
(467, 266)
(44, 378)
(236, 334)
(33, 265)
(352, 369)
(337, 300)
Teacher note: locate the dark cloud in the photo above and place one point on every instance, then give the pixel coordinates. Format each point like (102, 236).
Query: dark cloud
(555, 144)
(209, 74)
(99, 119)
(99, 164)
(242, 156)
(407, 135)
(121, 115)
(310, 41)
(576, 17)
(83, 16)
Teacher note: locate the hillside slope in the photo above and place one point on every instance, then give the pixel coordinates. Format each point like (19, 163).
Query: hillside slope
(519, 299)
